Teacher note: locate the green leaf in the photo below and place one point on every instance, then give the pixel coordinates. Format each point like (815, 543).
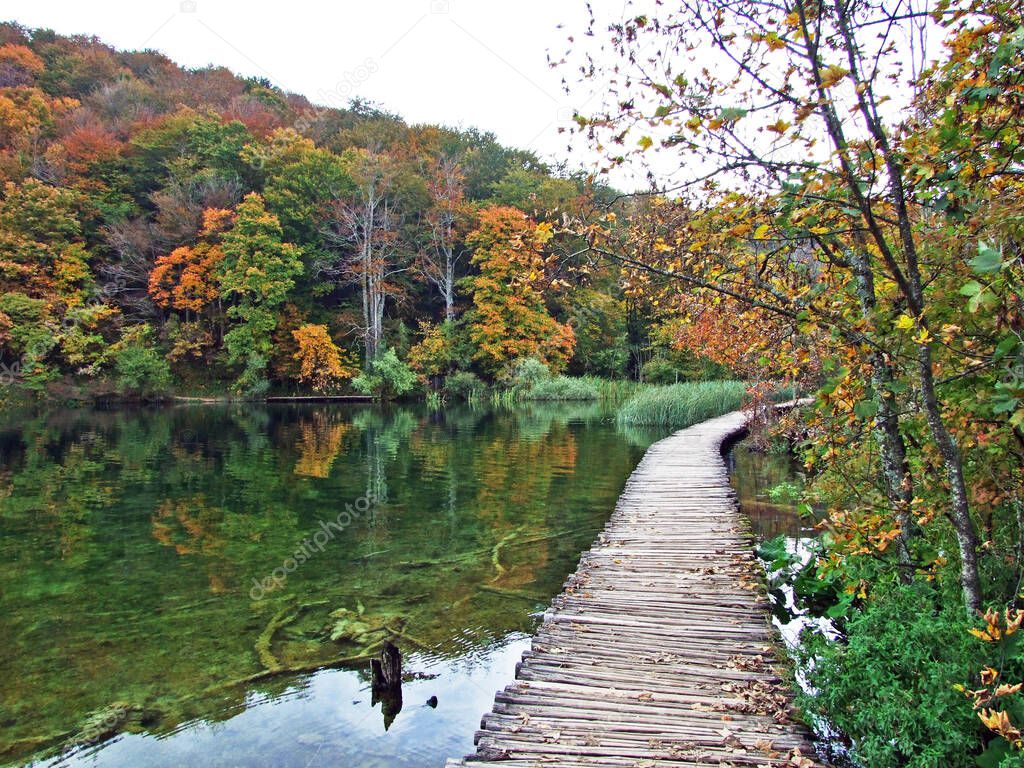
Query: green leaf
(866, 409)
(841, 608)
(980, 300)
(1005, 347)
(730, 114)
(973, 288)
(997, 751)
(988, 260)
(979, 296)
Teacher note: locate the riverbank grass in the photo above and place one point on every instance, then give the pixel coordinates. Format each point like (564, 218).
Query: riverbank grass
(681, 405)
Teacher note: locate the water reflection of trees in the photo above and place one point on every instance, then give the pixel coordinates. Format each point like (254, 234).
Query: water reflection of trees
(754, 474)
(131, 539)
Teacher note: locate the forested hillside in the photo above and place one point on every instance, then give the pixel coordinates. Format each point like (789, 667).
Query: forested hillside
(194, 231)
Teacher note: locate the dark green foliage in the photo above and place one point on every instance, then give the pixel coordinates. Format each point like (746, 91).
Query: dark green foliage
(386, 376)
(141, 370)
(890, 685)
(463, 385)
(660, 371)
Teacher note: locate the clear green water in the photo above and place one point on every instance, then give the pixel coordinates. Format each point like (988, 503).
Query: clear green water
(754, 474)
(135, 548)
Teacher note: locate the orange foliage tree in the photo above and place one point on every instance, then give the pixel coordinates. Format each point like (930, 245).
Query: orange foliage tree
(186, 278)
(508, 319)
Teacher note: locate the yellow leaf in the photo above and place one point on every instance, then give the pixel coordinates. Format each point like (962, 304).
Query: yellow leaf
(905, 322)
(832, 75)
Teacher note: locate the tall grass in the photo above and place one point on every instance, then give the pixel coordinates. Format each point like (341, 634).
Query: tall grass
(617, 390)
(679, 405)
(784, 394)
(502, 398)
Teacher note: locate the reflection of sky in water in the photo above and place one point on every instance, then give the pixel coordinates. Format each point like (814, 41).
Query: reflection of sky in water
(131, 539)
(328, 717)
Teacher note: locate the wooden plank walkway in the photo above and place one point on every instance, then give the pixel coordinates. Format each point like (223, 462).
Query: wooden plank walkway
(658, 652)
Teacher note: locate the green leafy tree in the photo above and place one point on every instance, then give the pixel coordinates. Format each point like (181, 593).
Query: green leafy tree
(385, 376)
(255, 275)
(300, 181)
(141, 370)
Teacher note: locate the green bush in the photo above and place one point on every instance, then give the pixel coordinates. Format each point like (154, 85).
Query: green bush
(462, 385)
(890, 686)
(680, 405)
(386, 376)
(563, 388)
(660, 371)
(141, 371)
(524, 374)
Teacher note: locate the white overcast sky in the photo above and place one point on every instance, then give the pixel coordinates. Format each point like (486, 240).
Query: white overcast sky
(456, 62)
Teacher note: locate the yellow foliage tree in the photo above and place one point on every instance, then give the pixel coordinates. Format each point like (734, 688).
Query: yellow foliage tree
(322, 363)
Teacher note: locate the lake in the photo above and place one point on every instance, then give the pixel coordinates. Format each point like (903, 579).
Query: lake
(172, 576)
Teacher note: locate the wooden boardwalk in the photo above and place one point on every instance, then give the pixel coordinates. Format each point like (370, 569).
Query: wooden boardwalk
(659, 651)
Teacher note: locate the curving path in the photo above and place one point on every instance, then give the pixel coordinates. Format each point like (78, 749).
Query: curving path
(659, 651)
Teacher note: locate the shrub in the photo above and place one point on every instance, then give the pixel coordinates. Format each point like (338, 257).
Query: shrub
(435, 352)
(524, 374)
(890, 686)
(140, 369)
(322, 363)
(463, 385)
(563, 388)
(680, 405)
(660, 371)
(386, 376)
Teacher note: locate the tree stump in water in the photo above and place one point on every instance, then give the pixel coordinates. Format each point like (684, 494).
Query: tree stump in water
(386, 685)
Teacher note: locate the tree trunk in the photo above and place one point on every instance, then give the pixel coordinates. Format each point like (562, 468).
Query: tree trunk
(899, 485)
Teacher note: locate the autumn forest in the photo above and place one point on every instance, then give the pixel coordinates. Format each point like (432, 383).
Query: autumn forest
(811, 202)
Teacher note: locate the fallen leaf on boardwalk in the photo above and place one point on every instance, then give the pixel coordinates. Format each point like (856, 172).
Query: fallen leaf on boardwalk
(798, 760)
